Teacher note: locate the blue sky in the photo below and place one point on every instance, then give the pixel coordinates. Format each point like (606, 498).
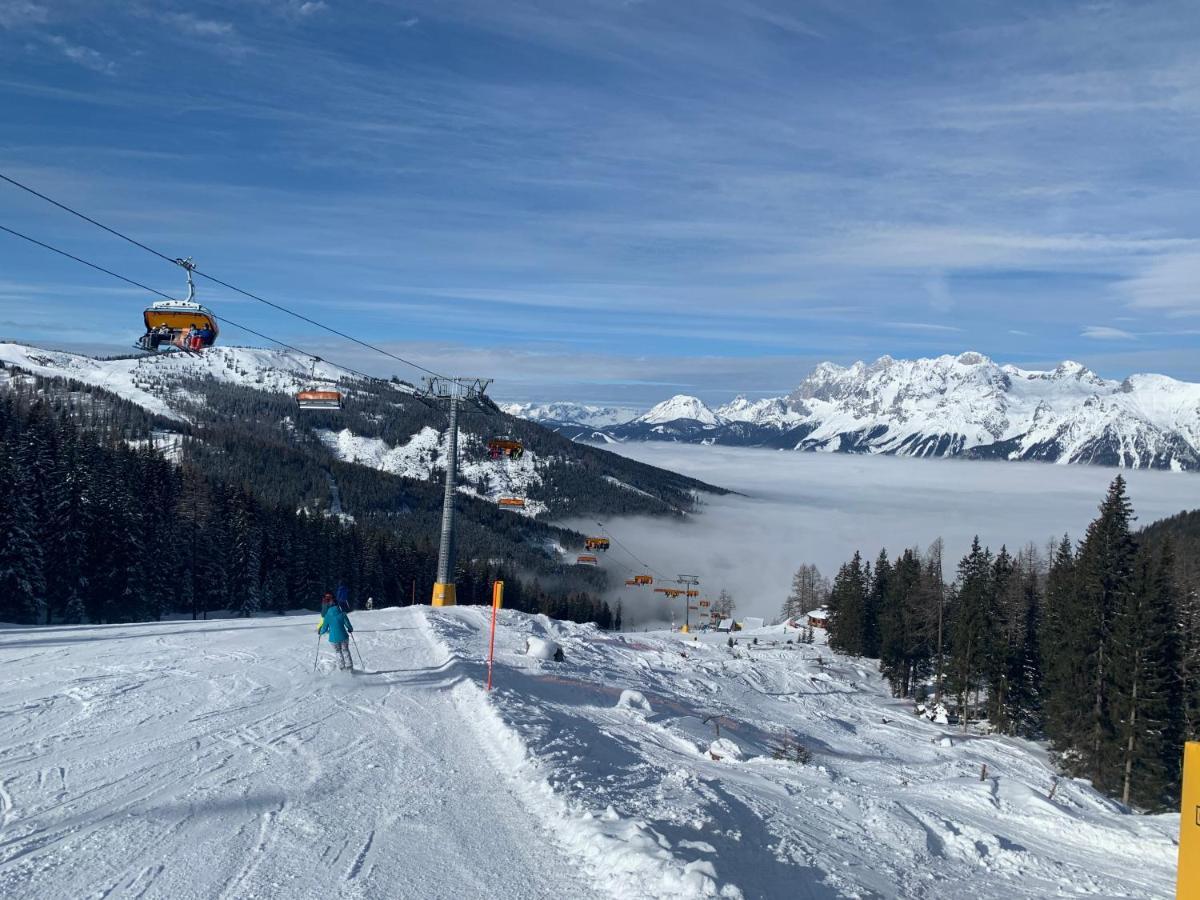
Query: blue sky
(615, 201)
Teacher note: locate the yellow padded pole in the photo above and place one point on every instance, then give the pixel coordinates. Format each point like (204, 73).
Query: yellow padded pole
(1187, 884)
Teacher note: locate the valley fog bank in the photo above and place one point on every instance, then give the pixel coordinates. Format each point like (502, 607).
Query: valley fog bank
(821, 507)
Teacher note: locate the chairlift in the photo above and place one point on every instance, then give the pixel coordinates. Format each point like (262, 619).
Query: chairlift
(179, 324)
(314, 396)
(505, 446)
(586, 561)
(512, 502)
(597, 543)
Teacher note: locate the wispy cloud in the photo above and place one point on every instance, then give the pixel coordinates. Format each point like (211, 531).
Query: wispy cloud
(82, 55)
(1106, 333)
(22, 13)
(739, 179)
(1170, 283)
(188, 23)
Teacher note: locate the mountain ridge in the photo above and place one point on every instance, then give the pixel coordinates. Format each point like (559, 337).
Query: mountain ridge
(951, 405)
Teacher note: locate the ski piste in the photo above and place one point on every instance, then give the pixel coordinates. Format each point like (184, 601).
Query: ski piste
(206, 759)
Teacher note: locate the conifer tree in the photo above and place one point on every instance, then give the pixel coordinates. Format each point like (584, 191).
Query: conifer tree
(847, 608)
(1104, 567)
(972, 626)
(1143, 688)
(1062, 650)
(22, 588)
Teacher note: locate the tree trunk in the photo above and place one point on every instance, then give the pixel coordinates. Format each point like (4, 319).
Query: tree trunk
(1097, 714)
(1129, 746)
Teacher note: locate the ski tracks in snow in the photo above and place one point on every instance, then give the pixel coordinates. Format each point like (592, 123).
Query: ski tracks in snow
(205, 759)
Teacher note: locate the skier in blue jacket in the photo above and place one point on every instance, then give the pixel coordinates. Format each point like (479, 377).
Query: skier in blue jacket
(337, 625)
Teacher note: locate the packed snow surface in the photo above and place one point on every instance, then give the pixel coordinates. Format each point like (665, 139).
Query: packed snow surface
(207, 759)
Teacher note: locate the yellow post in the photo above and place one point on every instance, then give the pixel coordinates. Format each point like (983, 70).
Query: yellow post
(498, 594)
(443, 594)
(1187, 883)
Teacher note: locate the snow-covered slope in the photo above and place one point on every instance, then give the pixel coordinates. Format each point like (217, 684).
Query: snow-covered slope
(205, 759)
(425, 454)
(152, 382)
(965, 405)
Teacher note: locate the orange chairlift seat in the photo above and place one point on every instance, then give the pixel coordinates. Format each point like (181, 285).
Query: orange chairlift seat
(514, 502)
(597, 543)
(179, 324)
(316, 396)
(586, 561)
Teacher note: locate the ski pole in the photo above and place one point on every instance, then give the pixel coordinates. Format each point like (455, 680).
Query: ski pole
(362, 662)
(318, 656)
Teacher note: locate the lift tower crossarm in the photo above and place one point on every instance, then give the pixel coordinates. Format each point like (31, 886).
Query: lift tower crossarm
(452, 391)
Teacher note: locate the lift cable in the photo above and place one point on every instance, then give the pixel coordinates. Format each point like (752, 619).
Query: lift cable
(215, 280)
(159, 293)
(642, 562)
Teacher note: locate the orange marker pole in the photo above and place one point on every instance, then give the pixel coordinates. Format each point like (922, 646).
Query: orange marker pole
(497, 602)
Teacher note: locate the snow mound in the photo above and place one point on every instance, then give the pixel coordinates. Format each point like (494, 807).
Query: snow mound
(634, 700)
(542, 648)
(724, 748)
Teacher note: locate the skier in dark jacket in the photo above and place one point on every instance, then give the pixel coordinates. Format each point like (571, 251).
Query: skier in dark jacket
(343, 598)
(337, 625)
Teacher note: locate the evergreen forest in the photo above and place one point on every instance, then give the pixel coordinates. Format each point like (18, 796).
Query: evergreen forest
(99, 525)
(1092, 645)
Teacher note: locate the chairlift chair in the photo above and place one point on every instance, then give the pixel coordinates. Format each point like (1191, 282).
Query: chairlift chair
(505, 446)
(179, 324)
(314, 396)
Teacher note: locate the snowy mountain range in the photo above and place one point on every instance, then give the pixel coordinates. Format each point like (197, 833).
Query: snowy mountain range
(965, 405)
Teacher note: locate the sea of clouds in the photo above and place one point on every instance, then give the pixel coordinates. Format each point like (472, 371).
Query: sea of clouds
(795, 508)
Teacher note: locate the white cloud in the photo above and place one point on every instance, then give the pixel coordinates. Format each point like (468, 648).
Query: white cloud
(22, 13)
(1107, 333)
(198, 27)
(1170, 283)
(84, 56)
